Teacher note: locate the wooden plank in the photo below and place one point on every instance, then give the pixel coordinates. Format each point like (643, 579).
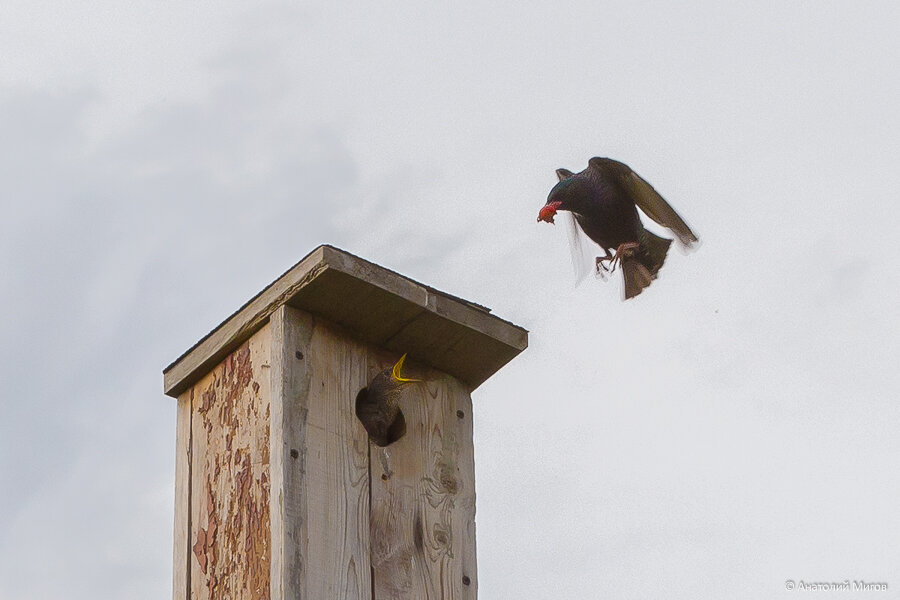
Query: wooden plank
(423, 495)
(336, 477)
(291, 335)
(230, 528)
(440, 342)
(377, 305)
(181, 583)
(372, 313)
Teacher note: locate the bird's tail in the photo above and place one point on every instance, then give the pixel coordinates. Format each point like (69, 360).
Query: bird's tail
(640, 269)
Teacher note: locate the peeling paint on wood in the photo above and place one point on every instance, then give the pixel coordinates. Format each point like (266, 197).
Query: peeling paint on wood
(359, 521)
(230, 537)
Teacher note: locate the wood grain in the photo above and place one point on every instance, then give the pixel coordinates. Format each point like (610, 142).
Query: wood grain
(423, 496)
(291, 335)
(230, 528)
(336, 477)
(181, 583)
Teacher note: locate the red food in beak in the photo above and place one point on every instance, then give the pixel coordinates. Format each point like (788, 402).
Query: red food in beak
(548, 211)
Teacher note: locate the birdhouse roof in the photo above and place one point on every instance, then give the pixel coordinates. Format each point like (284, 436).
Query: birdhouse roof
(374, 304)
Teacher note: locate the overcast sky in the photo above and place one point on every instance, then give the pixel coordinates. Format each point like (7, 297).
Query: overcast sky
(733, 427)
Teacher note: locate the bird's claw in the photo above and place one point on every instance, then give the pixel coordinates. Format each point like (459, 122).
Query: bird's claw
(624, 250)
(602, 271)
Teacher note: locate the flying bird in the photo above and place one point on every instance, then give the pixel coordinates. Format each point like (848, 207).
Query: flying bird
(604, 199)
(378, 405)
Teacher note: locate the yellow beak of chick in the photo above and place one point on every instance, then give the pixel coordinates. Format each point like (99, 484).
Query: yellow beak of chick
(395, 372)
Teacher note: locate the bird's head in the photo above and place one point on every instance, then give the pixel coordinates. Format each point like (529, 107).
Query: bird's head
(568, 194)
(396, 372)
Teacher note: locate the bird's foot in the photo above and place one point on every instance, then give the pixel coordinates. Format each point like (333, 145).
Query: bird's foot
(602, 271)
(604, 259)
(624, 250)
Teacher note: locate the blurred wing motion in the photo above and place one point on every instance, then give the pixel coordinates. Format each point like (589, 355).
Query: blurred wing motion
(654, 206)
(579, 242)
(579, 246)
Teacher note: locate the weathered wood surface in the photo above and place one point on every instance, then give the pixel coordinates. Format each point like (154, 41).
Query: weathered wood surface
(336, 478)
(181, 589)
(351, 520)
(279, 493)
(291, 356)
(423, 495)
(291, 335)
(377, 306)
(229, 490)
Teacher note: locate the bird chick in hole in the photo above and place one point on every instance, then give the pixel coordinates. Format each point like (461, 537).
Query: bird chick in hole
(378, 405)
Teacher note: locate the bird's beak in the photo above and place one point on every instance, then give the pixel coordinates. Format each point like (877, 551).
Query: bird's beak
(547, 212)
(395, 372)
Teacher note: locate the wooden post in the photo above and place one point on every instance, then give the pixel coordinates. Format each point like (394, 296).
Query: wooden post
(279, 493)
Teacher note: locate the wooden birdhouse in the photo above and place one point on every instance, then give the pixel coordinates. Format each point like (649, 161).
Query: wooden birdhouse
(279, 492)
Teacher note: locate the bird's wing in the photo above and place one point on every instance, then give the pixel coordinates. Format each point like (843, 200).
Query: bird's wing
(607, 168)
(579, 246)
(645, 197)
(564, 174)
(654, 206)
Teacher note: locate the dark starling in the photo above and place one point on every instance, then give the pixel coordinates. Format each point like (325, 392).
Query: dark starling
(604, 199)
(378, 405)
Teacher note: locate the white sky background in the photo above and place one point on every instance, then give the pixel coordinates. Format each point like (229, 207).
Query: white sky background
(733, 427)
